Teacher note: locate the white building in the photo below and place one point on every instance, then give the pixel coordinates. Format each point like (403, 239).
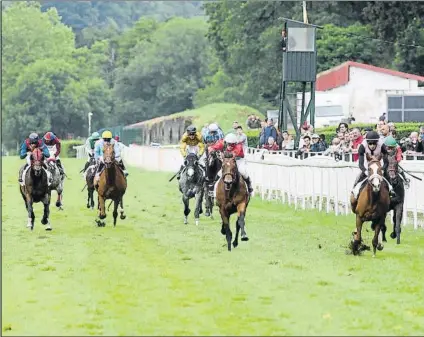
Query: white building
(364, 92)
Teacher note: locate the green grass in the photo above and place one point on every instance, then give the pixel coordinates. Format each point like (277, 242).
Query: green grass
(223, 113)
(153, 275)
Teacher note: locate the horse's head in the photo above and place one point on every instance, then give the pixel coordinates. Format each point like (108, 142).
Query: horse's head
(191, 162)
(108, 154)
(229, 170)
(375, 172)
(393, 169)
(37, 159)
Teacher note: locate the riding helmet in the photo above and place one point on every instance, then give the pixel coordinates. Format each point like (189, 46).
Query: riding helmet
(191, 130)
(213, 127)
(48, 137)
(231, 138)
(95, 135)
(390, 141)
(33, 138)
(372, 136)
(107, 135)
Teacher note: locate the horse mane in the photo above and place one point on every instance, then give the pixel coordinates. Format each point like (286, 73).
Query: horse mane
(228, 155)
(37, 155)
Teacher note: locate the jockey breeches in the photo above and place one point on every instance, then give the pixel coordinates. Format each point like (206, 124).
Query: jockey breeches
(242, 167)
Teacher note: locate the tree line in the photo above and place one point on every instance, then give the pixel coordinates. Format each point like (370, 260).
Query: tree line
(125, 65)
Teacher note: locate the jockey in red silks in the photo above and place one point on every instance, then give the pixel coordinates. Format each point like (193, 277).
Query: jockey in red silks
(28, 145)
(230, 144)
(53, 145)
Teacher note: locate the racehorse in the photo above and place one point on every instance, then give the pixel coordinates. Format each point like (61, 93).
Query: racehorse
(232, 196)
(112, 185)
(89, 180)
(372, 205)
(191, 185)
(213, 166)
(396, 203)
(57, 180)
(36, 189)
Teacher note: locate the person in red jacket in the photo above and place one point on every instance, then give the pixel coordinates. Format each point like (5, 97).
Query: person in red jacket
(230, 144)
(53, 145)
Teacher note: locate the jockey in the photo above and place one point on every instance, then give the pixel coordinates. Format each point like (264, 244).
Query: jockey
(191, 143)
(394, 149)
(374, 146)
(53, 145)
(230, 144)
(213, 134)
(89, 147)
(98, 154)
(28, 145)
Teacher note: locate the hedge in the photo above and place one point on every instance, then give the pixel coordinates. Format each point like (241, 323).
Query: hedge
(402, 130)
(67, 150)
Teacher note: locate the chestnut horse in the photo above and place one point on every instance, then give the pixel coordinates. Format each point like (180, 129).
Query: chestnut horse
(112, 185)
(36, 189)
(232, 196)
(372, 205)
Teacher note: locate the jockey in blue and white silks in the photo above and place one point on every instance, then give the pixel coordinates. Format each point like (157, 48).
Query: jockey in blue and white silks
(213, 135)
(98, 153)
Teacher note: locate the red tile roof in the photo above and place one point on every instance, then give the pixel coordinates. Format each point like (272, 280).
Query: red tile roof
(338, 76)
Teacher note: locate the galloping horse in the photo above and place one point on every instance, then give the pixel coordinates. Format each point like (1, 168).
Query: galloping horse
(396, 203)
(372, 205)
(89, 180)
(191, 185)
(213, 166)
(231, 197)
(112, 185)
(57, 180)
(36, 189)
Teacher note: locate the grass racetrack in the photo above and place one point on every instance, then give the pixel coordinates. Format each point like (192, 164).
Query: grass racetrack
(153, 275)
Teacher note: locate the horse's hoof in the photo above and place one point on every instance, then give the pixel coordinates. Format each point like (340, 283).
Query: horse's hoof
(44, 221)
(88, 206)
(398, 241)
(373, 255)
(222, 231)
(235, 244)
(211, 217)
(102, 216)
(92, 208)
(185, 221)
(49, 228)
(58, 204)
(207, 214)
(244, 238)
(380, 246)
(197, 222)
(393, 235)
(122, 216)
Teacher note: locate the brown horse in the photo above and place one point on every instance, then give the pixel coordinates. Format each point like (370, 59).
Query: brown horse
(372, 205)
(36, 189)
(231, 197)
(112, 185)
(89, 181)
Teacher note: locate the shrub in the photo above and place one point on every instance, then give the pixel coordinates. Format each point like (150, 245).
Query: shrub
(67, 150)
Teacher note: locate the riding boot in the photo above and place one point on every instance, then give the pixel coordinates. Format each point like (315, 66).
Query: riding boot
(121, 163)
(179, 172)
(406, 181)
(21, 178)
(249, 184)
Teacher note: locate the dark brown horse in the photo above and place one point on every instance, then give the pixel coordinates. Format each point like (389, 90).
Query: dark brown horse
(112, 185)
(89, 181)
(396, 203)
(213, 165)
(372, 205)
(36, 189)
(231, 197)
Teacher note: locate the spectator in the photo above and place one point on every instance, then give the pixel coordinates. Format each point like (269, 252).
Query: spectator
(421, 132)
(384, 132)
(334, 150)
(379, 125)
(271, 145)
(382, 118)
(357, 140)
(306, 148)
(253, 122)
(317, 144)
(269, 131)
(242, 138)
(343, 128)
(322, 138)
(392, 129)
(288, 142)
(235, 125)
(413, 146)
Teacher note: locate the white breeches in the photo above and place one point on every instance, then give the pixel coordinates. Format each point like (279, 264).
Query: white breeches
(242, 167)
(28, 159)
(195, 150)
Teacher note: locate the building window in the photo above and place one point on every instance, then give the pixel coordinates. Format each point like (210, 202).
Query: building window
(405, 108)
(301, 39)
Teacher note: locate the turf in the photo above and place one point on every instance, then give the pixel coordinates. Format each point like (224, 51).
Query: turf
(153, 275)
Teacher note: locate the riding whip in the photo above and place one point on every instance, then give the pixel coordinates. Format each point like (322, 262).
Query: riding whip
(410, 173)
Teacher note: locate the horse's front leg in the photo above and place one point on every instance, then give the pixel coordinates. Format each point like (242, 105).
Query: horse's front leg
(377, 240)
(226, 226)
(115, 211)
(198, 209)
(397, 222)
(186, 203)
(45, 220)
(30, 211)
(102, 210)
(358, 236)
(59, 197)
(121, 208)
(241, 212)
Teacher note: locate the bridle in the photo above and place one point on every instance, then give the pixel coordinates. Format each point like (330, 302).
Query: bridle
(108, 154)
(232, 173)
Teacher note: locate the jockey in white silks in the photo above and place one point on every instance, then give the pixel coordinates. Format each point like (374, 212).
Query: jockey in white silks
(231, 144)
(192, 142)
(98, 154)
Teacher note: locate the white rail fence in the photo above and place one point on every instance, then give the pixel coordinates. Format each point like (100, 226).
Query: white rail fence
(317, 182)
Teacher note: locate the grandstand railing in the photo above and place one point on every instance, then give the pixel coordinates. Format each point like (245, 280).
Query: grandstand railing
(317, 182)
